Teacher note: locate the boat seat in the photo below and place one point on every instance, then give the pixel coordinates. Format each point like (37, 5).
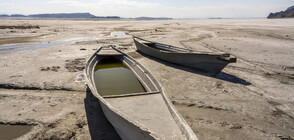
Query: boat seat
(131, 94)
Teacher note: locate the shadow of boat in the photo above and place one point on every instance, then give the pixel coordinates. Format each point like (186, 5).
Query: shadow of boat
(99, 127)
(222, 75)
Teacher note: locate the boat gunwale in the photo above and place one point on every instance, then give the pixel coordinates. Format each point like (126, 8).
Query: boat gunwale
(131, 94)
(189, 52)
(137, 75)
(181, 123)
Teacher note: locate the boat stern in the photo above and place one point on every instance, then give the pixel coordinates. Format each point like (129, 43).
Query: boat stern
(227, 57)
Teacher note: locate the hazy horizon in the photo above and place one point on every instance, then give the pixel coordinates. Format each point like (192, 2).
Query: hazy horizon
(151, 8)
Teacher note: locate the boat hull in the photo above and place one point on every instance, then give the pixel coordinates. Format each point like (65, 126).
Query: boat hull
(134, 116)
(208, 62)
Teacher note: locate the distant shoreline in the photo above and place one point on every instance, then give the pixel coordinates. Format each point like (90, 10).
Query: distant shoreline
(87, 16)
(76, 16)
(107, 19)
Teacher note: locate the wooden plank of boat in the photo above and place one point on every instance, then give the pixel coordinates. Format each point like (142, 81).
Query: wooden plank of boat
(212, 62)
(146, 115)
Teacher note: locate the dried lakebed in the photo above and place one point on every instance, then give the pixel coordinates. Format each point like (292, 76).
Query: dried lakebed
(246, 101)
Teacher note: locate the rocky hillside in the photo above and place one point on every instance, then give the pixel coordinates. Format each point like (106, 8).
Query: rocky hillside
(64, 15)
(289, 13)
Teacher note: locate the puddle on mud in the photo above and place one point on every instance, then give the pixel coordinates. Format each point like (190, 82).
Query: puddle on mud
(16, 48)
(119, 34)
(112, 77)
(8, 132)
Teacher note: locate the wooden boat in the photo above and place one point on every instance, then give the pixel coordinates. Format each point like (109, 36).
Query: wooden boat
(143, 115)
(207, 61)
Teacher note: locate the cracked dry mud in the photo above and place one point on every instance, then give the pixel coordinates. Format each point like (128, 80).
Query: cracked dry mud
(251, 99)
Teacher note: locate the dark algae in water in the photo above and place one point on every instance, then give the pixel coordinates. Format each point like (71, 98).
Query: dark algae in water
(8, 132)
(112, 77)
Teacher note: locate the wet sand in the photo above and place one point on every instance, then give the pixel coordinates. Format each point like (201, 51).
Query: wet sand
(13, 131)
(250, 99)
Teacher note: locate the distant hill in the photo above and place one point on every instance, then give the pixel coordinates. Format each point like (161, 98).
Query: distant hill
(215, 18)
(62, 15)
(17, 15)
(4, 15)
(289, 13)
(152, 18)
(77, 15)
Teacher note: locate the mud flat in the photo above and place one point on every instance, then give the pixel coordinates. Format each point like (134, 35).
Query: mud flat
(252, 99)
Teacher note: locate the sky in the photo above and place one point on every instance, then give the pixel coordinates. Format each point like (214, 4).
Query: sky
(150, 8)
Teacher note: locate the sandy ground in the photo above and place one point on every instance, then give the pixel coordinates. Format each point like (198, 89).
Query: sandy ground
(251, 99)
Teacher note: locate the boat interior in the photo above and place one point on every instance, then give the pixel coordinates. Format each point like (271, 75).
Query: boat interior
(167, 47)
(170, 48)
(120, 76)
(222, 56)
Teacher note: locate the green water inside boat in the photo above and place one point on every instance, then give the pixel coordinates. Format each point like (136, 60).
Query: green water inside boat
(112, 77)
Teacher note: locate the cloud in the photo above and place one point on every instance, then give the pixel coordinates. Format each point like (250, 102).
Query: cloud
(125, 8)
(66, 2)
(104, 3)
(17, 8)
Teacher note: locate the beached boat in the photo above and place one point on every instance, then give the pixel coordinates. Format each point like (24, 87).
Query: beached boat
(207, 61)
(147, 114)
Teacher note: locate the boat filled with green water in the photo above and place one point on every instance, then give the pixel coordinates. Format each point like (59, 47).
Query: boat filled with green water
(131, 99)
